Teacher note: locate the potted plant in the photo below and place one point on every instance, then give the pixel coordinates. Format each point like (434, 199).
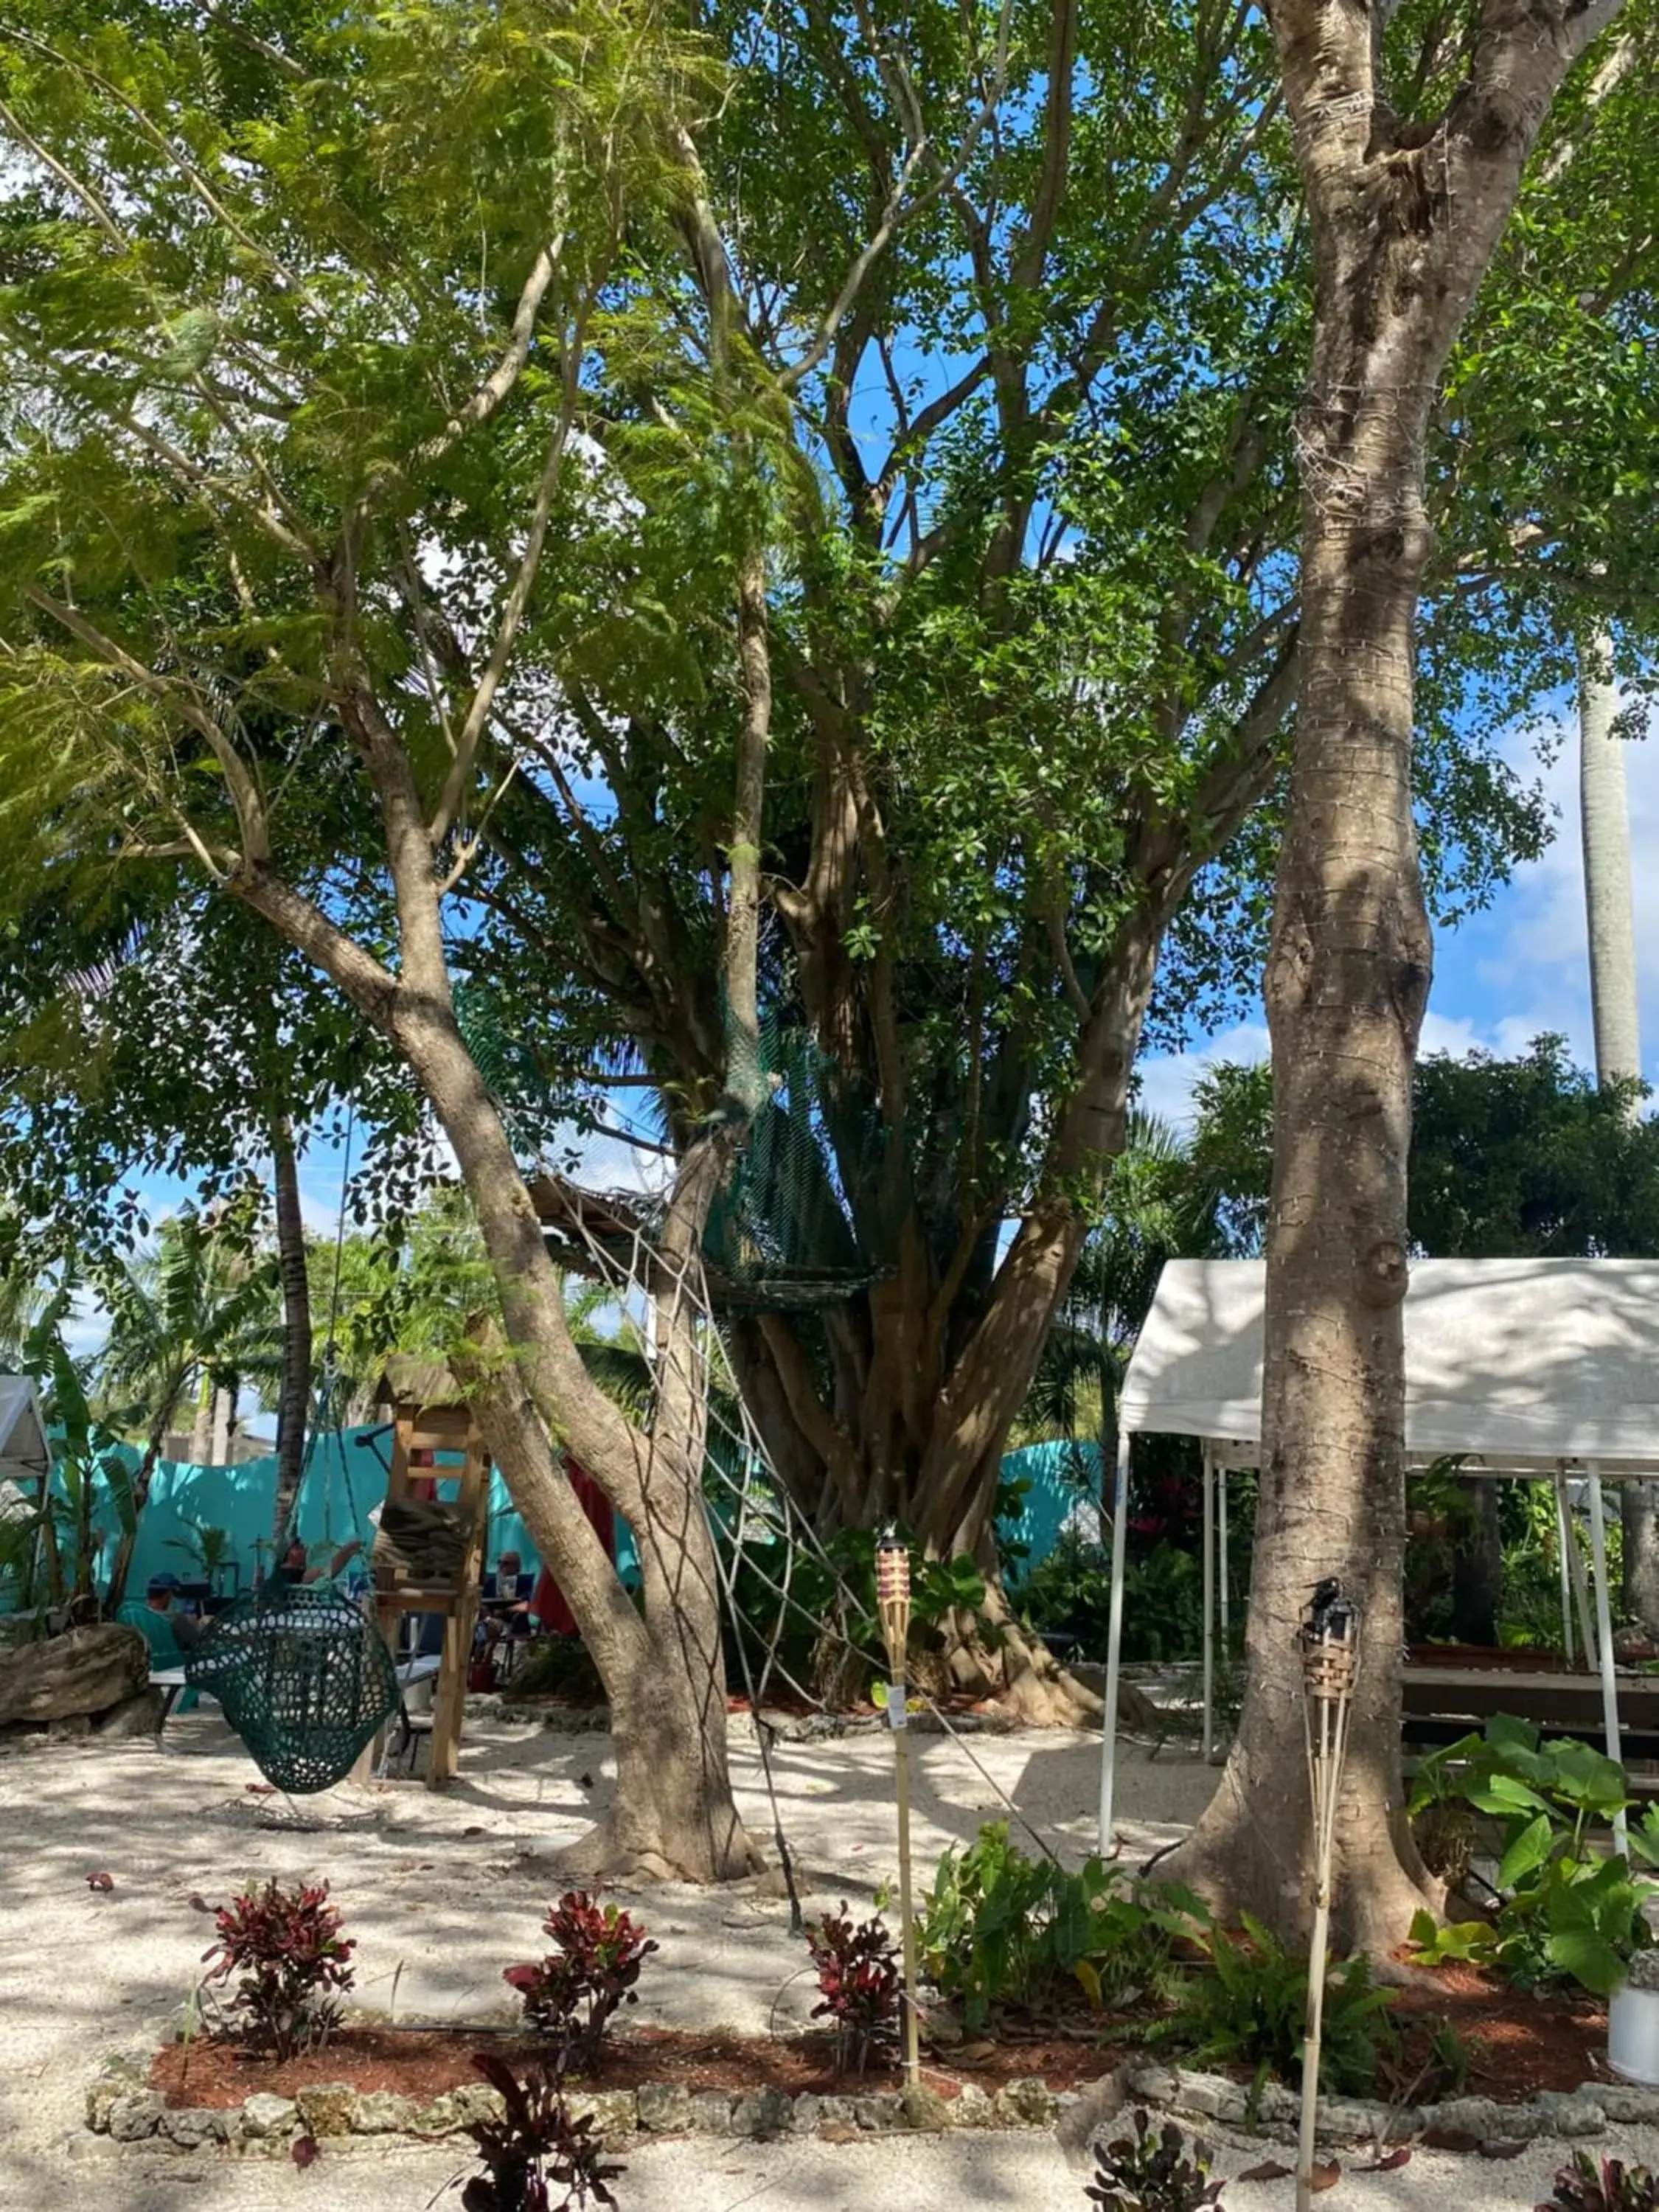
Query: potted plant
(1633, 2022)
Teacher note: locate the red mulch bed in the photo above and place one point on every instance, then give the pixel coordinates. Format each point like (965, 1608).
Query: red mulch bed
(413, 2063)
(1519, 2044)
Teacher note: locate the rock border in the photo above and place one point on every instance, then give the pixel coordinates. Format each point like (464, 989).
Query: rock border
(121, 2104)
(1464, 2122)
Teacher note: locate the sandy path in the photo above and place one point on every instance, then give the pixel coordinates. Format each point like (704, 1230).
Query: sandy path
(443, 1891)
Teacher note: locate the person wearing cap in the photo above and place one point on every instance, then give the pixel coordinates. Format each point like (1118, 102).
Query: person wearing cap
(184, 1628)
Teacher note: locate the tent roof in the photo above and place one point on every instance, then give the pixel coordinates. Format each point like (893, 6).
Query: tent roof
(22, 1429)
(1520, 1361)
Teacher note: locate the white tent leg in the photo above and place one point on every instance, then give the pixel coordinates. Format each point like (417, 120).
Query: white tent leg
(1114, 1647)
(1604, 1637)
(1563, 1540)
(1221, 1555)
(1209, 1607)
(1580, 1582)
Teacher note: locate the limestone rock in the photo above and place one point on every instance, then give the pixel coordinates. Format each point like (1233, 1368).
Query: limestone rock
(664, 2108)
(328, 2108)
(1093, 2109)
(1027, 2103)
(711, 2113)
(1574, 2113)
(970, 2108)
(813, 2113)
(1626, 2104)
(196, 2124)
(384, 2112)
(137, 1716)
(86, 1671)
(124, 2074)
(922, 2108)
(134, 2119)
(876, 2115)
(767, 2113)
(265, 2115)
(613, 2112)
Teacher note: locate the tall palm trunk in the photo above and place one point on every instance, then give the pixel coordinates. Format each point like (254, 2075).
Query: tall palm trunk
(1604, 823)
(296, 1324)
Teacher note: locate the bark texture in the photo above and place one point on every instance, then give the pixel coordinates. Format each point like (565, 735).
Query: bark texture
(663, 1671)
(1405, 213)
(1610, 927)
(296, 1398)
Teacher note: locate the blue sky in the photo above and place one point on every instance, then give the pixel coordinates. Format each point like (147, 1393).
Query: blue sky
(1518, 969)
(1505, 976)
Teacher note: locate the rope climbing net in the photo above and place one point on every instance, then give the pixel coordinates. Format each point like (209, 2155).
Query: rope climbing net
(750, 1508)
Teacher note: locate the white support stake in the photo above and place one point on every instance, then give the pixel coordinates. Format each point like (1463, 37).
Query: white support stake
(1209, 1605)
(1580, 1582)
(1114, 1646)
(1604, 1639)
(1563, 1540)
(1221, 1558)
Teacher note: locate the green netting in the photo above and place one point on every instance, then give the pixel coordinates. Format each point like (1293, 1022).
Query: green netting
(305, 1679)
(785, 1229)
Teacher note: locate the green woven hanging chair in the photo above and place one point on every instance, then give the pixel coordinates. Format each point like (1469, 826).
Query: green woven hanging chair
(305, 1679)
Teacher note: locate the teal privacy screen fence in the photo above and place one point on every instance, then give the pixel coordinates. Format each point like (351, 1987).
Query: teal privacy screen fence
(345, 1480)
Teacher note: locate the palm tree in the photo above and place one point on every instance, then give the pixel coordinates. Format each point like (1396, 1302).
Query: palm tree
(201, 1312)
(1157, 1207)
(1604, 819)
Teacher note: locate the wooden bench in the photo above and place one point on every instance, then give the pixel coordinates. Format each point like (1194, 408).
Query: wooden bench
(1441, 1701)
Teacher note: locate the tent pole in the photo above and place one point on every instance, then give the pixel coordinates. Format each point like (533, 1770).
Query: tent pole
(1221, 1553)
(1209, 1605)
(1580, 1582)
(1563, 1538)
(1604, 1638)
(1114, 1645)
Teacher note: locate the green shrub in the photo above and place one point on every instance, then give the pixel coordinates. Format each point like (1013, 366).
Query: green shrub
(1071, 1594)
(1249, 2005)
(998, 1928)
(1562, 1912)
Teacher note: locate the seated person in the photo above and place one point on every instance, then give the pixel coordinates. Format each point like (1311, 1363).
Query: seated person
(168, 1630)
(507, 1592)
(291, 1571)
(504, 1611)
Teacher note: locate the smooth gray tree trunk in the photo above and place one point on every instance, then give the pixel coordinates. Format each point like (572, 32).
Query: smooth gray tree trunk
(1610, 919)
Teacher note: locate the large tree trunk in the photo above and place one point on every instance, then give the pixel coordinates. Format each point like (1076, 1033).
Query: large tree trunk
(294, 1402)
(1477, 1567)
(1609, 913)
(1404, 219)
(664, 1671)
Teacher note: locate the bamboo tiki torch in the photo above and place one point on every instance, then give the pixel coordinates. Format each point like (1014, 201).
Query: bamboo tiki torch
(893, 1601)
(1330, 1661)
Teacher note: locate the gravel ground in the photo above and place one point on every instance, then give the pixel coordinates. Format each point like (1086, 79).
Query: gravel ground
(442, 1890)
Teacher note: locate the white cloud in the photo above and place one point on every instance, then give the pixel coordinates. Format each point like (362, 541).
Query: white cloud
(1167, 1083)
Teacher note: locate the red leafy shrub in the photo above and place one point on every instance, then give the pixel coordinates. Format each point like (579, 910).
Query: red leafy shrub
(569, 1996)
(859, 1980)
(285, 1946)
(535, 2147)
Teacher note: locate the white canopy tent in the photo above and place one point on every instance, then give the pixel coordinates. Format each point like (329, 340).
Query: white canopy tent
(23, 1453)
(1547, 1369)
